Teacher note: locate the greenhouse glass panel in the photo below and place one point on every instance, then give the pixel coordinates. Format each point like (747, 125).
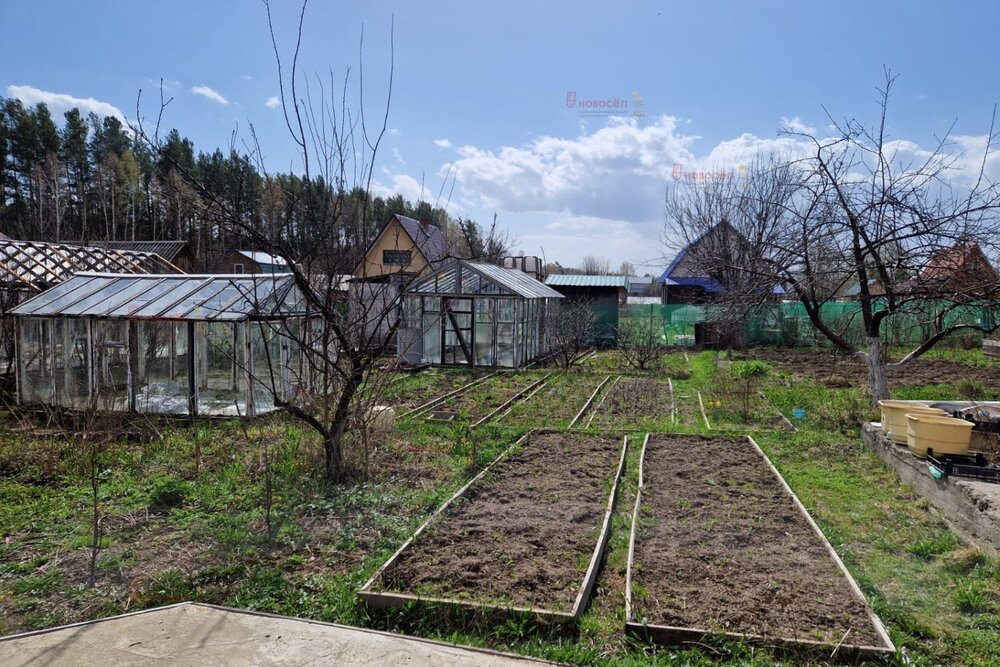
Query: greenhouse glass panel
(265, 347)
(111, 368)
(162, 368)
(36, 360)
(220, 370)
(432, 338)
(75, 357)
(505, 345)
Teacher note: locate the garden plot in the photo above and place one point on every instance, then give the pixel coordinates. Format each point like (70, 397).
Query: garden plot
(732, 411)
(673, 363)
(721, 546)
(640, 403)
(411, 391)
(484, 398)
(526, 534)
(557, 403)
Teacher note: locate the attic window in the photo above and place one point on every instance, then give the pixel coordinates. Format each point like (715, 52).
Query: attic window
(396, 257)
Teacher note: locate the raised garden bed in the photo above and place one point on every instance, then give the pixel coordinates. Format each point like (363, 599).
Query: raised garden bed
(556, 404)
(642, 403)
(415, 396)
(481, 401)
(720, 546)
(525, 535)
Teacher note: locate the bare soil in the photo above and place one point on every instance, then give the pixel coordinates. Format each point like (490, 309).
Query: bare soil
(842, 370)
(722, 547)
(635, 401)
(524, 534)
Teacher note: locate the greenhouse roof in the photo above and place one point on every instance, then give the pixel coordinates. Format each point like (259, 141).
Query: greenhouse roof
(485, 279)
(39, 265)
(169, 297)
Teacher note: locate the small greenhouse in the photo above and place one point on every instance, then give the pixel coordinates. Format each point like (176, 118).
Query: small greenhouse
(164, 344)
(476, 314)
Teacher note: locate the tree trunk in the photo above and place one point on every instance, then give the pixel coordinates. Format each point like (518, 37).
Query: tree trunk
(334, 456)
(878, 377)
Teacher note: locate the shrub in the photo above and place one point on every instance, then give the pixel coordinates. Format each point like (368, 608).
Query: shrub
(167, 493)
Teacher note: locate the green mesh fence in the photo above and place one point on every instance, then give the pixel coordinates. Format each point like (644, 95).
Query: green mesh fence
(786, 323)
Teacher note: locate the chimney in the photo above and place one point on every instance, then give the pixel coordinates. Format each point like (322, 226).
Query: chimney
(426, 224)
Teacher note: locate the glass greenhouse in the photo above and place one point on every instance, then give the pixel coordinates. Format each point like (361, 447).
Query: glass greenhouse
(475, 314)
(165, 344)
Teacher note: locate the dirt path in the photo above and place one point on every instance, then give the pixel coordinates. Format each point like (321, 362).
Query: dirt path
(721, 546)
(524, 534)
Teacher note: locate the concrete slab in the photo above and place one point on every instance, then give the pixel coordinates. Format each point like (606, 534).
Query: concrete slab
(208, 636)
(972, 507)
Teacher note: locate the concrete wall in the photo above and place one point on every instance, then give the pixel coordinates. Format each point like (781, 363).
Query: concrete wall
(971, 507)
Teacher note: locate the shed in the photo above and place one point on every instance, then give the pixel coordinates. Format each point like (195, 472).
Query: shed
(166, 344)
(250, 261)
(605, 293)
(405, 246)
(476, 314)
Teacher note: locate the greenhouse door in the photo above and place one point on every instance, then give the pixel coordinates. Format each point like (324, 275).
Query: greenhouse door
(457, 331)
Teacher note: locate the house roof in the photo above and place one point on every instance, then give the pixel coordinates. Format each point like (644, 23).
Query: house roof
(482, 278)
(960, 261)
(39, 265)
(263, 257)
(429, 240)
(575, 280)
(168, 297)
(168, 250)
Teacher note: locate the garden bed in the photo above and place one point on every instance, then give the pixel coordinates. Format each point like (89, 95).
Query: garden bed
(641, 403)
(527, 534)
(720, 546)
(556, 404)
(481, 400)
(411, 394)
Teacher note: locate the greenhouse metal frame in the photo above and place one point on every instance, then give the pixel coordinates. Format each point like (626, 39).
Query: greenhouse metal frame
(476, 314)
(213, 345)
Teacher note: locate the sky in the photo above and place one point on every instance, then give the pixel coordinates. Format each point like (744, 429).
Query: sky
(480, 118)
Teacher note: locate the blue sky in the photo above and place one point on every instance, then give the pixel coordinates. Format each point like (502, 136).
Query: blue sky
(480, 90)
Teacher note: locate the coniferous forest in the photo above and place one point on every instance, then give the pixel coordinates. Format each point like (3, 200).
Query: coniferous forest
(89, 178)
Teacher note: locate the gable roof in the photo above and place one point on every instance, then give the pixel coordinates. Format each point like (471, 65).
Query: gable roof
(964, 260)
(39, 265)
(706, 282)
(430, 241)
(168, 297)
(168, 250)
(497, 278)
(263, 257)
(578, 280)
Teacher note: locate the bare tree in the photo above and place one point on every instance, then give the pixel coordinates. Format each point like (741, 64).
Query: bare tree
(641, 342)
(594, 265)
(342, 371)
(857, 212)
(572, 330)
(626, 268)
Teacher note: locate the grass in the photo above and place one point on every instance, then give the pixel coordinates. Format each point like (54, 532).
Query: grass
(184, 521)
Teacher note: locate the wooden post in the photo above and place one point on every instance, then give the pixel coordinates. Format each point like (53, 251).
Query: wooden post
(192, 379)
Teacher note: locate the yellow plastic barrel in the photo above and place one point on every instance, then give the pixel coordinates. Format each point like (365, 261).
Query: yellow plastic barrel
(894, 417)
(945, 435)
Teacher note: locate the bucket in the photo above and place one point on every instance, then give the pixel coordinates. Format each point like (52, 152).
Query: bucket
(894, 417)
(945, 435)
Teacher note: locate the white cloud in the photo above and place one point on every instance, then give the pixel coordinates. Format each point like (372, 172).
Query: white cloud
(272, 102)
(442, 143)
(246, 77)
(209, 94)
(797, 125)
(398, 156)
(59, 103)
